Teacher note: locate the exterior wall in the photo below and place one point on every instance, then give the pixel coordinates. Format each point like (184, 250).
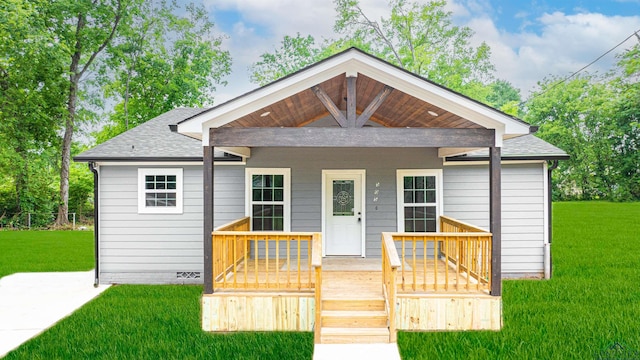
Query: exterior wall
(380, 164)
(466, 198)
(159, 248)
(147, 248)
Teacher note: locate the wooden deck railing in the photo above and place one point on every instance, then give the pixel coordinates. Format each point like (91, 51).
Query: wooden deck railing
(316, 262)
(472, 256)
(254, 260)
(456, 259)
(390, 265)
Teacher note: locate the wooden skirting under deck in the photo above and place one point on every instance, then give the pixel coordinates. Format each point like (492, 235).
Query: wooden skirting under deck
(448, 312)
(352, 301)
(258, 311)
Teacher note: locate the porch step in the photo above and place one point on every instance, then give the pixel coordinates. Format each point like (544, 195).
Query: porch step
(335, 335)
(354, 319)
(342, 304)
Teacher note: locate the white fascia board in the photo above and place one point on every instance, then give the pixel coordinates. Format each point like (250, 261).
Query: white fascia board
(485, 162)
(446, 152)
(242, 151)
(442, 98)
(350, 63)
(266, 96)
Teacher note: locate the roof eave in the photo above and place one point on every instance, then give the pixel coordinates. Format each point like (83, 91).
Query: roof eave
(514, 158)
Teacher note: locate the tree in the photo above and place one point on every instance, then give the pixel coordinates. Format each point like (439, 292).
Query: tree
(576, 116)
(504, 96)
(420, 38)
(84, 29)
(626, 115)
(32, 88)
(294, 54)
(160, 62)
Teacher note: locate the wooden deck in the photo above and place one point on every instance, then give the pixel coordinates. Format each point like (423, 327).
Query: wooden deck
(342, 274)
(353, 305)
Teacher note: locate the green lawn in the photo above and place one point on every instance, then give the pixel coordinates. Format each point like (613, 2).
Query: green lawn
(592, 302)
(35, 251)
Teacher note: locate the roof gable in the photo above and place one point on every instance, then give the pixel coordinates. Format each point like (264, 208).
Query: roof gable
(414, 101)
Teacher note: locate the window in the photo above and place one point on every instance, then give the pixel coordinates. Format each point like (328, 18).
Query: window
(160, 191)
(419, 199)
(268, 199)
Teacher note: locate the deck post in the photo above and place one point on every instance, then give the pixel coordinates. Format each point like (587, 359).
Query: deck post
(207, 183)
(495, 219)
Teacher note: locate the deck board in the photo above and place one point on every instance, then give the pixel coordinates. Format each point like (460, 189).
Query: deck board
(361, 278)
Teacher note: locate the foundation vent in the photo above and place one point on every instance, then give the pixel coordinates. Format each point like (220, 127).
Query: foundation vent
(188, 275)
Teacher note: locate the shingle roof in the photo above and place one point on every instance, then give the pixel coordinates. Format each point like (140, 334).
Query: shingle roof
(152, 140)
(520, 148)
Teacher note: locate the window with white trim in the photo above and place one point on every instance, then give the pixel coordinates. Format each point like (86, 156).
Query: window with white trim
(160, 191)
(268, 197)
(419, 200)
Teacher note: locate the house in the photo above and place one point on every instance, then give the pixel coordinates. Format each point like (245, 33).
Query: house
(351, 198)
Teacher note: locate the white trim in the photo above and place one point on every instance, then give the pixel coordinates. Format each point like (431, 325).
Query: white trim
(142, 208)
(148, 163)
(351, 62)
(545, 216)
(161, 163)
(503, 162)
(242, 151)
(446, 152)
(286, 172)
(363, 176)
(400, 174)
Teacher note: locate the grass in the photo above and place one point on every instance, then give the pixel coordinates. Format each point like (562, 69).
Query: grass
(154, 322)
(592, 302)
(41, 251)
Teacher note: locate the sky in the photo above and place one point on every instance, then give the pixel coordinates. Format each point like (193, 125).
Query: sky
(529, 39)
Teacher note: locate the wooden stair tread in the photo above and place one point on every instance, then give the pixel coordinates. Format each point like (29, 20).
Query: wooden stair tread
(354, 313)
(355, 331)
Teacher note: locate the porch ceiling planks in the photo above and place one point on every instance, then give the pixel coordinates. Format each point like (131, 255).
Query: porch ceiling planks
(394, 108)
(351, 137)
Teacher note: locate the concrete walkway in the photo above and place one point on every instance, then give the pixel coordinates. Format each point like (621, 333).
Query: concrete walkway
(356, 351)
(32, 302)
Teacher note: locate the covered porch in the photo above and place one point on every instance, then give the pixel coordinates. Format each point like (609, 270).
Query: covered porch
(267, 281)
(356, 121)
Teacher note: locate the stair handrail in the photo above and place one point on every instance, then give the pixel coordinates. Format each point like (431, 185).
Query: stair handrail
(390, 265)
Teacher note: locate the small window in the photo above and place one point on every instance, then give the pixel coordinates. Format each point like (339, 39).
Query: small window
(419, 194)
(160, 191)
(268, 199)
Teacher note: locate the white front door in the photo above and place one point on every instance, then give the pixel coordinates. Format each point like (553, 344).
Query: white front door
(343, 212)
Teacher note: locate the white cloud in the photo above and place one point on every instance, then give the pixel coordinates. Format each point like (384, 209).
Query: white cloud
(562, 43)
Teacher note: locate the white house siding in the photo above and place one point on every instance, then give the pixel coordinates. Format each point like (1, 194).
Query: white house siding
(147, 248)
(306, 181)
(466, 197)
(154, 248)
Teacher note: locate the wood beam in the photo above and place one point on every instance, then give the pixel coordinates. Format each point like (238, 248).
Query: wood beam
(207, 180)
(373, 106)
(495, 219)
(330, 105)
(351, 101)
(368, 137)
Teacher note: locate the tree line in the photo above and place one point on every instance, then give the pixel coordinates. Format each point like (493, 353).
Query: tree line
(68, 64)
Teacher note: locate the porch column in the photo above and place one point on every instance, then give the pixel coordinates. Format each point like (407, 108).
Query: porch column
(495, 219)
(207, 183)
